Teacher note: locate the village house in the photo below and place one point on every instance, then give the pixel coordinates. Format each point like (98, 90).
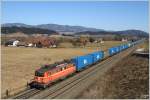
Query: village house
(12, 42)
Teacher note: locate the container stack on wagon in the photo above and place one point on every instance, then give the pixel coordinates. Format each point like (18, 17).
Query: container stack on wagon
(97, 56)
(82, 62)
(117, 49)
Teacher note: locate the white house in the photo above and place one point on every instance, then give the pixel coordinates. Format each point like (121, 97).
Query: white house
(30, 45)
(12, 43)
(15, 43)
(124, 40)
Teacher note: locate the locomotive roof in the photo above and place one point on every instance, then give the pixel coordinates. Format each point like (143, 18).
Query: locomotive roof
(45, 68)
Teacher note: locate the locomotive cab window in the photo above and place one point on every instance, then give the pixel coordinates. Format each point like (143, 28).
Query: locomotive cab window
(62, 68)
(53, 71)
(49, 73)
(68, 66)
(39, 74)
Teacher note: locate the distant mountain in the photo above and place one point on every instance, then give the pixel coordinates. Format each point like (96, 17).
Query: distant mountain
(138, 33)
(16, 25)
(25, 30)
(56, 27)
(134, 32)
(77, 30)
(66, 28)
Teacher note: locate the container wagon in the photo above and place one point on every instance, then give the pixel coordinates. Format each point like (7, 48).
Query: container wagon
(82, 62)
(97, 56)
(112, 51)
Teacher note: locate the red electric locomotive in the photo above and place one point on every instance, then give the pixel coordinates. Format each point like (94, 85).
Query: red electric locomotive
(51, 73)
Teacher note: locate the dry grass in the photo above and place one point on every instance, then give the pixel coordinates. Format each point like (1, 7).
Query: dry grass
(145, 45)
(18, 34)
(101, 46)
(19, 63)
(66, 45)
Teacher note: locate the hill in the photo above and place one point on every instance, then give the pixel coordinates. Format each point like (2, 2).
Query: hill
(16, 25)
(134, 33)
(137, 33)
(25, 30)
(67, 29)
(56, 27)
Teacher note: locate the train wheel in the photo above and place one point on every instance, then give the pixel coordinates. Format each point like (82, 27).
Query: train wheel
(62, 78)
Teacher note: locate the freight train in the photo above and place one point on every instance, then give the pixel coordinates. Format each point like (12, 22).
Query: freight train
(49, 74)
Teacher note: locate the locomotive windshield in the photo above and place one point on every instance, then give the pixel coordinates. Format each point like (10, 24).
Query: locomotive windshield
(37, 73)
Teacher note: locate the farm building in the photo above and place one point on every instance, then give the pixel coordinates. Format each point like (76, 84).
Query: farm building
(40, 41)
(12, 42)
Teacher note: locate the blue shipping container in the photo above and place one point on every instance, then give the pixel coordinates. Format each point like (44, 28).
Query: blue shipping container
(117, 49)
(126, 46)
(82, 61)
(129, 44)
(121, 47)
(97, 56)
(112, 51)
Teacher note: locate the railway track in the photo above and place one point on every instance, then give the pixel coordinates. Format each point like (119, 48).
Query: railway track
(26, 94)
(59, 90)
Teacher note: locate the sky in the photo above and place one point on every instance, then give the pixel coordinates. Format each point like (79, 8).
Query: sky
(107, 15)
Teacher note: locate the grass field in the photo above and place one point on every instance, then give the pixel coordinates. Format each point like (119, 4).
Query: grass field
(19, 63)
(94, 46)
(145, 45)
